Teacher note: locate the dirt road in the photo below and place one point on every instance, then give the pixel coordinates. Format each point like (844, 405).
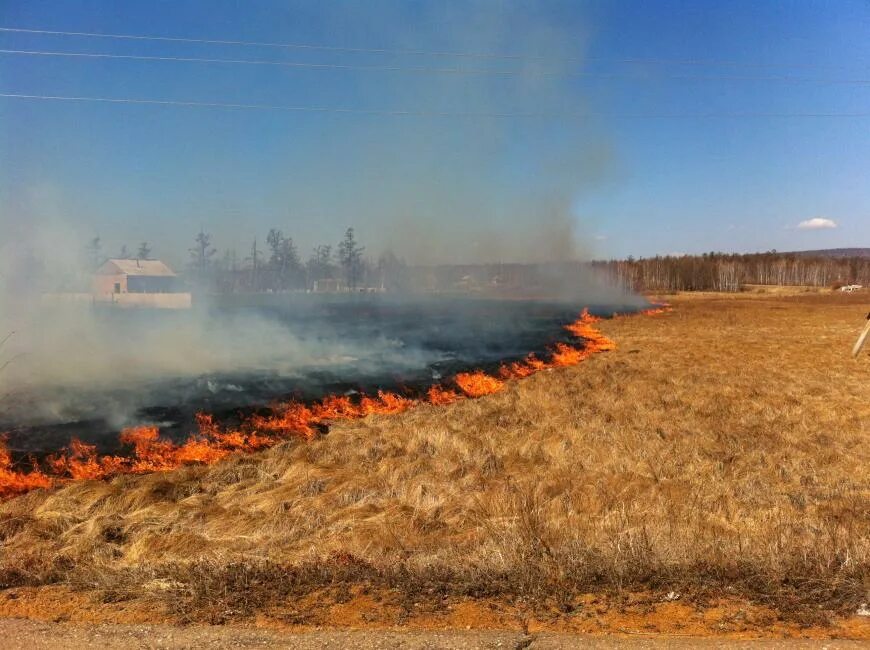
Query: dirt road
(22, 634)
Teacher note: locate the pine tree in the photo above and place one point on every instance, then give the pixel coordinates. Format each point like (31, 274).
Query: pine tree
(350, 258)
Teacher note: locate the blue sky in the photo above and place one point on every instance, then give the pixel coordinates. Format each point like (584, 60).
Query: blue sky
(660, 161)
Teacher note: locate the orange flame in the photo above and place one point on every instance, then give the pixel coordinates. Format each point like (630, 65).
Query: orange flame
(440, 396)
(478, 383)
(385, 404)
(565, 355)
(14, 482)
(657, 309)
(212, 442)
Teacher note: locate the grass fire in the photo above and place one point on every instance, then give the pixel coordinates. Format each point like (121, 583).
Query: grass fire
(211, 442)
(434, 324)
(597, 494)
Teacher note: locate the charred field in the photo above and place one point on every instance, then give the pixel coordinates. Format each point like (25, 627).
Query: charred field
(708, 475)
(313, 346)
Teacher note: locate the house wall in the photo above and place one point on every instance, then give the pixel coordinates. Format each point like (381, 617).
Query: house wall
(104, 284)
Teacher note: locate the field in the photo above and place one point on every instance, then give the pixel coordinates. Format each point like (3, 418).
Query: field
(709, 476)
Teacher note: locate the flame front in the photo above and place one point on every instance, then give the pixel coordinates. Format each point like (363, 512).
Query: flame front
(478, 383)
(14, 482)
(440, 396)
(212, 442)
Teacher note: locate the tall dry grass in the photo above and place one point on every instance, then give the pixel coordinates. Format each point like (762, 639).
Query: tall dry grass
(721, 450)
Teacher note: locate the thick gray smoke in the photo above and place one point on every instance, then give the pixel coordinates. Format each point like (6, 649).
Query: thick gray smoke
(65, 359)
(435, 190)
(57, 349)
(68, 360)
(472, 189)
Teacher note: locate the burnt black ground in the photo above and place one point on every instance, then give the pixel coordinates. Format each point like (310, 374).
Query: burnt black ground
(403, 344)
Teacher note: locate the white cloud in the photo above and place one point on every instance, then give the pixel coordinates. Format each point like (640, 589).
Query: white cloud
(817, 223)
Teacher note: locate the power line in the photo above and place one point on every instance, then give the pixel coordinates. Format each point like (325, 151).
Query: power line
(421, 113)
(291, 64)
(275, 107)
(410, 52)
(295, 46)
(423, 69)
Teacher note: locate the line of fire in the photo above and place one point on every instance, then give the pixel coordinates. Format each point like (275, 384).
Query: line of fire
(212, 440)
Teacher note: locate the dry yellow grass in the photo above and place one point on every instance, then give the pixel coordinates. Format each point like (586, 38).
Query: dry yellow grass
(722, 449)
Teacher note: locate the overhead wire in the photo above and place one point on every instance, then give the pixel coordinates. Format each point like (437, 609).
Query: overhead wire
(408, 52)
(407, 69)
(424, 69)
(426, 113)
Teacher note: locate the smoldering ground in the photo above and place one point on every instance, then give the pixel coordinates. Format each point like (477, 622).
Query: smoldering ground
(88, 371)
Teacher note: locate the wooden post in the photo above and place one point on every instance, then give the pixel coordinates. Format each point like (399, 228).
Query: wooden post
(862, 338)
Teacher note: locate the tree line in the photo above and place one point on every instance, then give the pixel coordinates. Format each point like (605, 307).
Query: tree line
(273, 264)
(729, 272)
(276, 265)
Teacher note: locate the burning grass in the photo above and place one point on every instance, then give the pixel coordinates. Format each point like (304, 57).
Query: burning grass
(211, 443)
(721, 450)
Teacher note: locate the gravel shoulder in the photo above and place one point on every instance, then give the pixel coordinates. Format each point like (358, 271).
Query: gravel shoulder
(23, 634)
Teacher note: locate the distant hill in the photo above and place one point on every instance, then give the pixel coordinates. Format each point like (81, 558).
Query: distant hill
(835, 252)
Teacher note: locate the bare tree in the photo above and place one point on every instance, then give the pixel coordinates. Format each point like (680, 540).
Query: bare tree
(350, 258)
(201, 255)
(144, 251)
(284, 260)
(254, 261)
(320, 266)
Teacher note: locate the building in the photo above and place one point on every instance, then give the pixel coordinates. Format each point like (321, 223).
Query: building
(328, 285)
(139, 283)
(134, 276)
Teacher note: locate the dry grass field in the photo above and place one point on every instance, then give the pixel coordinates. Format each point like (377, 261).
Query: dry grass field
(718, 460)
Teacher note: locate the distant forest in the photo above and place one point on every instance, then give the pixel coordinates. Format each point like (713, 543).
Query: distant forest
(272, 265)
(729, 272)
(276, 265)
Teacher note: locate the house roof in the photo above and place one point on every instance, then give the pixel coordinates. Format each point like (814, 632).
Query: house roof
(154, 268)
